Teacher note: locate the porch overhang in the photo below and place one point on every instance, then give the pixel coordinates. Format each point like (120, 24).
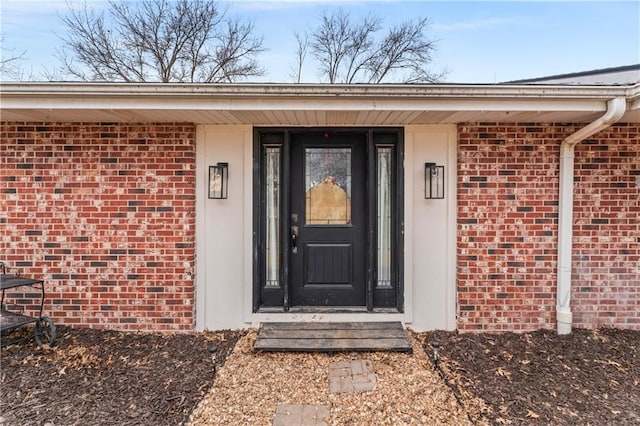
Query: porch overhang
(309, 104)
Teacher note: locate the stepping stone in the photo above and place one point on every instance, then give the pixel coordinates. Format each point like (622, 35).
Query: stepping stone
(351, 376)
(301, 415)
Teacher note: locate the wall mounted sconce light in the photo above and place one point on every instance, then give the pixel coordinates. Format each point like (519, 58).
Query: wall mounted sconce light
(219, 181)
(433, 181)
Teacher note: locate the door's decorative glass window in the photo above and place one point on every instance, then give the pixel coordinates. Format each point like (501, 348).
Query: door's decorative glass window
(384, 162)
(328, 186)
(272, 178)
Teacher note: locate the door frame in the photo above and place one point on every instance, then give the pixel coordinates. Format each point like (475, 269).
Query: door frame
(276, 298)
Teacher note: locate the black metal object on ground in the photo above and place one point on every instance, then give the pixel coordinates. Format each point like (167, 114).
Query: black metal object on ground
(45, 330)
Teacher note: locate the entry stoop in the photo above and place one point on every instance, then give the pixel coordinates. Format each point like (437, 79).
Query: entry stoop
(332, 337)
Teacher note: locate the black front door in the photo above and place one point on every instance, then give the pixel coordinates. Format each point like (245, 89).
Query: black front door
(328, 218)
(327, 247)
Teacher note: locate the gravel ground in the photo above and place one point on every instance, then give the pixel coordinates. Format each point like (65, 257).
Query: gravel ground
(250, 386)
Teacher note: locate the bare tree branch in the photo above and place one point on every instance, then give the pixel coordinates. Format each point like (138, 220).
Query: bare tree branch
(235, 46)
(159, 40)
(359, 53)
(404, 48)
(348, 51)
(9, 62)
(302, 41)
(330, 43)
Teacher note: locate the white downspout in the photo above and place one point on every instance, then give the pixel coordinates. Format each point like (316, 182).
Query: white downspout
(615, 110)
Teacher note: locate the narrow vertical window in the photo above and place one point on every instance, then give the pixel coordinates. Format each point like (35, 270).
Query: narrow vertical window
(272, 180)
(384, 162)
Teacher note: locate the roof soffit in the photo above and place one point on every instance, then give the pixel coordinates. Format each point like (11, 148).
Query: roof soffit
(54, 101)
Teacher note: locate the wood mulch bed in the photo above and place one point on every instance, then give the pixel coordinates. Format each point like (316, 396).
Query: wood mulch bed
(587, 377)
(107, 377)
(98, 377)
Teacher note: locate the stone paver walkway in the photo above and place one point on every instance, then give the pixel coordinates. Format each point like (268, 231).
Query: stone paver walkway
(301, 415)
(344, 376)
(351, 376)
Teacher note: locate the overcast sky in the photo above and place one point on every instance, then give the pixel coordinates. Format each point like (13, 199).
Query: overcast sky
(478, 42)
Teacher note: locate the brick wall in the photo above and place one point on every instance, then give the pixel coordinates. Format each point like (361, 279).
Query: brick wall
(606, 243)
(507, 227)
(105, 214)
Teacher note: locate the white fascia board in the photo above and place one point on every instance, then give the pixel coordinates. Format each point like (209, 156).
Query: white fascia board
(309, 90)
(633, 98)
(305, 104)
(234, 91)
(285, 97)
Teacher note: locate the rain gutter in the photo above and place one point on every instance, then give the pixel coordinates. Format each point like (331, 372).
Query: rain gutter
(616, 108)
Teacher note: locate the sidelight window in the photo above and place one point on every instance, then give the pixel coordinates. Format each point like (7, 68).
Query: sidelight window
(272, 244)
(384, 169)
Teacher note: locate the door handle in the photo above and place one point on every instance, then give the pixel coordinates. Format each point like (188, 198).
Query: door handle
(294, 240)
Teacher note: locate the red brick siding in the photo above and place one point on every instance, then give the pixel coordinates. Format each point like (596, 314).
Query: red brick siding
(105, 214)
(507, 227)
(606, 243)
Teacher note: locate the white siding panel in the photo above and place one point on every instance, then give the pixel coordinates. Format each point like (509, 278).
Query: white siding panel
(430, 229)
(221, 268)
